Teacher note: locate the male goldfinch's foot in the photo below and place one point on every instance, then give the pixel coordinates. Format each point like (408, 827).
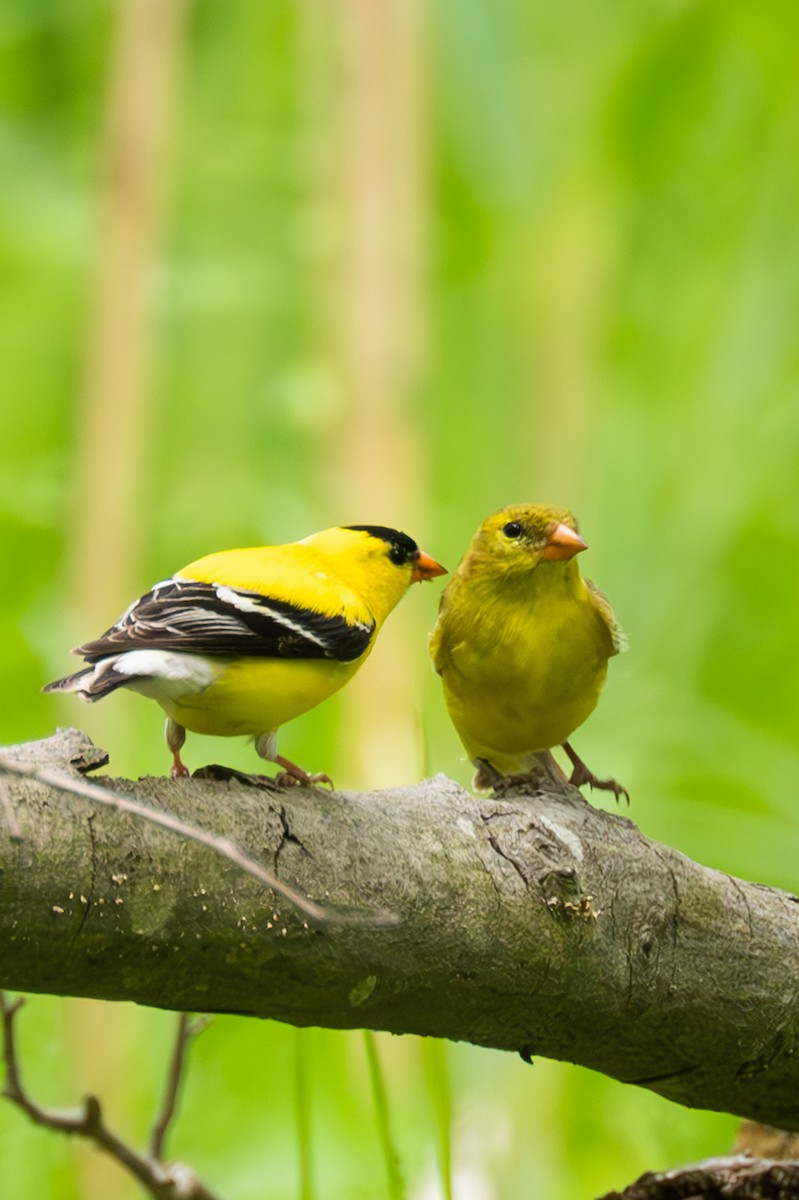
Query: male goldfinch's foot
(179, 769)
(291, 774)
(581, 775)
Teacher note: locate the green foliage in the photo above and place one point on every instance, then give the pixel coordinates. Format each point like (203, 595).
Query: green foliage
(609, 251)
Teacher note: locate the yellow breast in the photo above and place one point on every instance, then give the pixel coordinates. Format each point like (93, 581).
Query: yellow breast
(258, 695)
(520, 676)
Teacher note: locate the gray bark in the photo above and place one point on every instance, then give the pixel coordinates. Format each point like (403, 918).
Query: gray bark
(739, 1178)
(530, 922)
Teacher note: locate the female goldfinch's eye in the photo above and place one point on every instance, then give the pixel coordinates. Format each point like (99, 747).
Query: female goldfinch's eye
(512, 530)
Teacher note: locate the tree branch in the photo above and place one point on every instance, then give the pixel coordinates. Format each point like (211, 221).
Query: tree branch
(92, 791)
(530, 922)
(163, 1181)
(734, 1178)
(186, 1030)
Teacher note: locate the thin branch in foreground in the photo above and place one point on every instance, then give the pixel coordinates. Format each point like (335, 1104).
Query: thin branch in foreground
(221, 845)
(187, 1030)
(163, 1181)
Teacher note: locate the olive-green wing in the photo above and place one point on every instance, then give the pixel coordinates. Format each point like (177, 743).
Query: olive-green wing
(602, 607)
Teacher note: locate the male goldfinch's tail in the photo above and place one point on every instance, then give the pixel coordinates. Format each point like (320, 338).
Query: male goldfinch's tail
(92, 683)
(153, 672)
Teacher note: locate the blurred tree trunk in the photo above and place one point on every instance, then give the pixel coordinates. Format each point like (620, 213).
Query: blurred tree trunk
(113, 429)
(112, 434)
(370, 175)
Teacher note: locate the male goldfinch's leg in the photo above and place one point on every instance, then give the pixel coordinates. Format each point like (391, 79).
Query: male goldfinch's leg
(266, 747)
(175, 738)
(292, 774)
(581, 775)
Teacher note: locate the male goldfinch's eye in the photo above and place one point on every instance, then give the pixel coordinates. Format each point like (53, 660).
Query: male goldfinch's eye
(399, 555)
(512, 530)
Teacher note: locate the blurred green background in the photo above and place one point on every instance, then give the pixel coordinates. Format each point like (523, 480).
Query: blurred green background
(272, 266)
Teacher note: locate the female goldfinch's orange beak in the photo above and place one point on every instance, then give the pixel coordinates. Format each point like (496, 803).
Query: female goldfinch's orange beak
(562, 542)
(426, 567)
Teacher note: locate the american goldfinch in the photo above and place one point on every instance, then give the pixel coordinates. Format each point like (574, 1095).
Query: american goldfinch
(241, 641)
(522, 644)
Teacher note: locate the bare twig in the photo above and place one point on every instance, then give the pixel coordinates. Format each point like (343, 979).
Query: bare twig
(187, 1029)
(220, 845)
(163, 1181)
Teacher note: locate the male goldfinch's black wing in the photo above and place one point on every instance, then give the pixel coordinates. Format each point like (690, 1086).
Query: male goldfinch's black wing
(214, 619)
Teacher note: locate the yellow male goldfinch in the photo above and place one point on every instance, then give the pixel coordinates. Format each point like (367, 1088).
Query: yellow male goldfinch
(241, 641)
(522, 644)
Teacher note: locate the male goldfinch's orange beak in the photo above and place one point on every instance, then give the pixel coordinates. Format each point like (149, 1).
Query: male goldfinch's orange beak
(562, 542)
(426, 567)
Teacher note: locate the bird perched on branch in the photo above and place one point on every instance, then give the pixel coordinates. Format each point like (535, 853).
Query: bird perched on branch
(241, 641)
(522, 643)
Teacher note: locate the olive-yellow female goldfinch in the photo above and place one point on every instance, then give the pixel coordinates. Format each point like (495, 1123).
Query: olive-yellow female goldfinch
(241, 641)
(522, 644)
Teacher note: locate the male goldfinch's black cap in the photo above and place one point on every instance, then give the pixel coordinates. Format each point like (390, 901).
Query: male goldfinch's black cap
(403, 549)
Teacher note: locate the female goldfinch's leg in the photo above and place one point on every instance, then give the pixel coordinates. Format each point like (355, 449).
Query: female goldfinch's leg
(581, 775)
(266, 747)
(175, 738)
(487, 778)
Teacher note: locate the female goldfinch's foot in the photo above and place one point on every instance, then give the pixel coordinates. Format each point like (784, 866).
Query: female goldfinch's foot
(488, 779)
(291, 774)
(581, 775)
(577, 779)
(541, 770)
(528, 781)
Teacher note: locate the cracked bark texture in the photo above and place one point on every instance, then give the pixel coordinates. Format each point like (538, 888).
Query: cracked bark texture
(532, 922)
(738, 1178)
